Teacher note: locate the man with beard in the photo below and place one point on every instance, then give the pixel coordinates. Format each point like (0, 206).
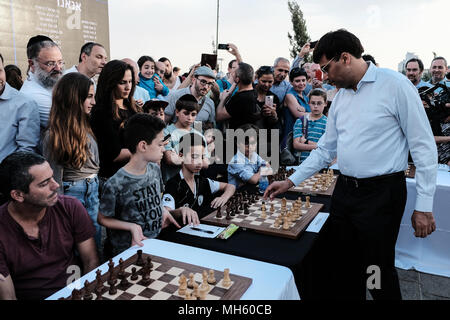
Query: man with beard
(375, 119)
(39, 231)
(202, 82)
(170, 79)
(281, 86)
(92, 59)
(46, 65)
(414, 71)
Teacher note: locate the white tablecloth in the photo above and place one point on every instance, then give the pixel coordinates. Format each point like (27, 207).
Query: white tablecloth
(270, 281)
(430, 254)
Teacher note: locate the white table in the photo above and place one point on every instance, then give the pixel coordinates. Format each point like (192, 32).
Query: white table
(430, 254)
(270, 281)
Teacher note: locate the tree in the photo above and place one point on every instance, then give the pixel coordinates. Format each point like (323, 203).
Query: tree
(300, 36)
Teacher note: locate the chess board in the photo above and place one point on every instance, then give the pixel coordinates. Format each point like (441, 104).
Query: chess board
(411, 171)
(307, 186)
(165, 275)
(255, 222)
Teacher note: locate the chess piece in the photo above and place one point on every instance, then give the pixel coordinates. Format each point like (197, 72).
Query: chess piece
(286, 224)
(226, 281)
(76, 294)
(246, 210)
(110, 265)
(283, 203)
(87, 293)
(263, 206)
(188, 296)
(139, 262)
(183, 285)
(121, 272)
(149, 263)
(276, 224)
(263, 213)
(219, 213)
(191, 283)
(272, 208)
(112, 287)
(211, 277)
(134, 274)
(98, 293)
(228, 217)
(98, 279)
(195, 291)
(308, 204)
(202, 293)
(204, 285)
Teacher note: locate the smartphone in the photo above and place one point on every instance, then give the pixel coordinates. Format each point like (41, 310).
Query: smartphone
(318, 75)
(269, 101)
(223, 46)
(312, 44)
(167, 137)
(209, 59)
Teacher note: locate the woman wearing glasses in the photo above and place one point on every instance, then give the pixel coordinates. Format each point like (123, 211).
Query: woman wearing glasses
(69, 144)
(296, 101)
(114, 105)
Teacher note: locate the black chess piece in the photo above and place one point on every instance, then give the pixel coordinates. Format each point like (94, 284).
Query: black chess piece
(112, 287)
(76, 294)
(134, 274)
(139, 262)
(87, 293)
(219, 212)
(246, 211)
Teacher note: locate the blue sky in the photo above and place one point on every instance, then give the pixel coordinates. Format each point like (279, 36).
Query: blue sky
(182, 30)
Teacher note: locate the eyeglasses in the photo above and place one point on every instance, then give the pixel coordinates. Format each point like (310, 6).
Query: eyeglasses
(52, 64)
(206, 83)
(326, 67)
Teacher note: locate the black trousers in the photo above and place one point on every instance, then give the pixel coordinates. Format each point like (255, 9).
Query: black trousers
(359, 241)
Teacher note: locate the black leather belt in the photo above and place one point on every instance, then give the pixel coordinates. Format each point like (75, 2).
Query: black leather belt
(360, 182)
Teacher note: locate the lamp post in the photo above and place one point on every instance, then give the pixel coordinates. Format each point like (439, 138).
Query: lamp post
(217, 28)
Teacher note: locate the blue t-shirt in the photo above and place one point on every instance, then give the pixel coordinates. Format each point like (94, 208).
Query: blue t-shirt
(316, 128)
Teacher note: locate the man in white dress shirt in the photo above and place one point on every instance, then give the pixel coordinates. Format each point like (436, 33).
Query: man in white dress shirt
(375, 118)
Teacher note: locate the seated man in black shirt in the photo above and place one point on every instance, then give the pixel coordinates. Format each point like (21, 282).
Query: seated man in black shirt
(188, 195)
(242, 108)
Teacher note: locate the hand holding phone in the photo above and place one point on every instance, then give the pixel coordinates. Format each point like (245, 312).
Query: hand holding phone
(312, 44)
(318, 75)
(223, 46)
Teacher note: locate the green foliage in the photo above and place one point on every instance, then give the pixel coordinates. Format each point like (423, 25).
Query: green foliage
(300, 36)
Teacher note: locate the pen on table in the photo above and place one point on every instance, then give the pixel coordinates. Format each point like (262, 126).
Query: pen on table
(198, 229)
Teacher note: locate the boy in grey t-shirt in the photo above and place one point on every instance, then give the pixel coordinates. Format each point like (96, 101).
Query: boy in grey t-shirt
(130, 205)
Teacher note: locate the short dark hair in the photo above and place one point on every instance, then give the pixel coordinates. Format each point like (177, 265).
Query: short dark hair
(368, 57)
(190, 140)
(419, 62)
(297, 72)
(334, 43)
(245, 128)
(35, 48)
(87, 49)
(263, 70)
(187, 102)
(164, 59)
(318, 93)
(245, 73)
(143, 60)
(230, 64)
(141, 127)
(439, 58)
(14, 171)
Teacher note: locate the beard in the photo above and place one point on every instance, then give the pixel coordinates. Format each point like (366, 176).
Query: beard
(47, 79)
(168, 75)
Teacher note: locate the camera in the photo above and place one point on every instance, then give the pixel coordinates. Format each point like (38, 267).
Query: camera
(437, 112)
(223, 46)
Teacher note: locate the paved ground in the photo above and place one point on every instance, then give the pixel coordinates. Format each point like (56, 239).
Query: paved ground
(417, 285)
